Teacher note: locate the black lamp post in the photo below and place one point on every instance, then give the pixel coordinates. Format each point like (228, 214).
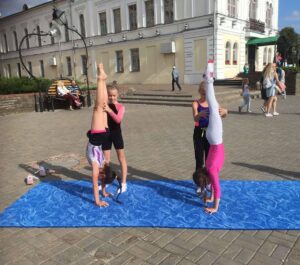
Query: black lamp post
(57, 16)
(52, 32)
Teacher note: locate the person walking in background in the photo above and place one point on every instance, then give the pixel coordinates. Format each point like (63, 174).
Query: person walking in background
(175, 78)
(246, 95)
(246, 69)
(281, 77)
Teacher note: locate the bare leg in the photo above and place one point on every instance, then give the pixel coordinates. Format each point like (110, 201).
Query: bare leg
(99, 120)
(269, 105)
(274, 104)
(123, 163)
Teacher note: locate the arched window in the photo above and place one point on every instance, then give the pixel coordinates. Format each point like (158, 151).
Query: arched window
(269, 15)
(227, 52)
(39, 36)
(27, 39)
(232, 8)
(82, 25)
(252, 9)
(235, 53)
(270, 56)
(265, 56)
(16, 40)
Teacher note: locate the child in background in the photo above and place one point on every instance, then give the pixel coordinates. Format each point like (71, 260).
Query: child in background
(246, 95)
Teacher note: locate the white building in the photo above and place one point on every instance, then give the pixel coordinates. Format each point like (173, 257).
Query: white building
(139, 40)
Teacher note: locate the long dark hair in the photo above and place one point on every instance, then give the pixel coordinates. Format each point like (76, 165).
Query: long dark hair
(201, 178)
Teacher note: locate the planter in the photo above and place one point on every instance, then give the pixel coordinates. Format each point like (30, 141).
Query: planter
(292, 81)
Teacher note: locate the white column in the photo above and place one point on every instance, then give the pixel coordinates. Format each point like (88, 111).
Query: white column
(159, 8)
(124, 16)
(90, 17)
(141, 14)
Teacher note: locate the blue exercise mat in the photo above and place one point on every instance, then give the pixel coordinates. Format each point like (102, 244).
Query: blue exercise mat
(244, 205)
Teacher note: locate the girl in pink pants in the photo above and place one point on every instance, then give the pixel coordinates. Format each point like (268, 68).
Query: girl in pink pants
(214, 135)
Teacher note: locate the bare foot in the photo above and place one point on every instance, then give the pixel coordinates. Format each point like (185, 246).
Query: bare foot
(211, 210)
(102, 74)
(102, 204)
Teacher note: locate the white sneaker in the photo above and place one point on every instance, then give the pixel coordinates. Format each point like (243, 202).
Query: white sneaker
(124, 189)
(275, 113)
(268, 115)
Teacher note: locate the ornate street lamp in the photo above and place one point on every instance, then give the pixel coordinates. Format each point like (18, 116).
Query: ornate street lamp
(54, 32)
(60, 18)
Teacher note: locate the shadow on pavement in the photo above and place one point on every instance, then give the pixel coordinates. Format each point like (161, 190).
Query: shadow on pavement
(291, 175)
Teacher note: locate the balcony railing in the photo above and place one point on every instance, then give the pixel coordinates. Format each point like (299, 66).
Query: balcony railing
(256, 25)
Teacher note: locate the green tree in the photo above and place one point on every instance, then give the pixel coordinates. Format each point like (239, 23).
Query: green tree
(288, 44)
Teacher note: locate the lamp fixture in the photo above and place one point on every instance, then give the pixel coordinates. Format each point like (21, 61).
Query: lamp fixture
(186, 26)
(124, 37)
(141, 35)
(109, 40)
(210, 22)
(157, 32)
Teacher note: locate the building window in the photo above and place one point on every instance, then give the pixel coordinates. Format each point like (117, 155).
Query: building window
(252, 9)
(132, 17)
(149, 6)
(30, 67)
(269, 15)
(265, 56)
(39, 36)
(52, 40)
(135, 60)
(84, 64)
(169, 11)
(270, 56)
(82, 25)
(8, 70)
(19, 73)
(42, 68)
(27, 39)
(119, 58)
(227, 53)
(5, 43)
(232, 8)
(67, 33)
(16, 40)
(69, 66)
(117, 20)
(103, 24)
(235, 53)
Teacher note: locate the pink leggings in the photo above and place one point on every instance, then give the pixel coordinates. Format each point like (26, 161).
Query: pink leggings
(214, 164)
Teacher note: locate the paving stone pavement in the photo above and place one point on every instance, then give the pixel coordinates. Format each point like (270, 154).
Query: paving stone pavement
(158, 143)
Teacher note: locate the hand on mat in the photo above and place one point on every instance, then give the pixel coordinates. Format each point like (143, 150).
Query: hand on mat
(210, 210)
(102, 203)
(106, 194)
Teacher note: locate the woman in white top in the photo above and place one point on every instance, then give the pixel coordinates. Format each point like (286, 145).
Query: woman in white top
(65, 93)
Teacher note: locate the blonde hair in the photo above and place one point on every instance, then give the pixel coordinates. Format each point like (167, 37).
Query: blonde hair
(60, 83)
(201, 86)
(269, 71)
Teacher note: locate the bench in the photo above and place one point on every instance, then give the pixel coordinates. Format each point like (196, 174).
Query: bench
(52, 95)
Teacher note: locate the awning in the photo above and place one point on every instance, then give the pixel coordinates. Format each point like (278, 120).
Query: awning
(263, 41)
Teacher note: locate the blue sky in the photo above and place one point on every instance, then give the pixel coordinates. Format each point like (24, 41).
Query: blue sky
(289, 10)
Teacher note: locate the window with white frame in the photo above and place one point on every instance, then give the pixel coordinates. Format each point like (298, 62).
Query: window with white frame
(19, 73)
(119, 60)
(269, 15)
(38, 30)
(265, 56)
(117, 20)
(42, 69)
(82, 25)
(8, 70)
(5, 42)
(30, 67)
(169, 11)
(252, 9)
(227, 52)
(27, 39)
(132, 17)
(69, 66)
(235, 53)
(135, 60)
(16, 41)
(149, 6)
(232, 8)
(83, 64)
(270, 55)
(103, 24)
